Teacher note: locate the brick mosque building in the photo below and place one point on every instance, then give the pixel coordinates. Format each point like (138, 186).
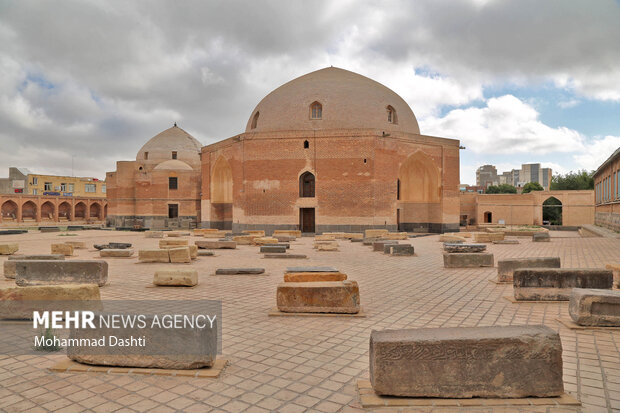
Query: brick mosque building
(329, 151)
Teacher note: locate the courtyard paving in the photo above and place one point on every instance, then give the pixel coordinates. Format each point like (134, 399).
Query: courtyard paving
(295, 364)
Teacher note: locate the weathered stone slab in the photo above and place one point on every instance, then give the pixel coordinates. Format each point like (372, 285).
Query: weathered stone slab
(459, 234)
(311, 269)
(55, 272)
(590, 307)
(204, 253)
(180, 255)
(77, 245)
(468, 260)
(357, 240)
(317, 243)
(18, 303)
(257, 232)
(488, 236)
(464, 362)
(119, 245)
(159, 255)
(176, 234)
(358, 236)
(369, 241)
(319, 297)
(116, 253)
(264, 240)
(8, 249)
(451, 238)
(62, 248)
(555, 284)
(176, 278)
(507, 241)
(313, 276)
(166, 348)
(215, 235)
(332, 246)
(325, 237)
(173, 243)
(153, 234)
(287, 232)
(455, 248)
(615, 268)
(239, 271)
(336, 235)
(541, 237)
(395, 236)
(290, 256)
(507, 266)
(193, 251)
(216, 244)
(279, 244)
(398, 249)
(49, 229)
(379, 245)
(273, 248)
(375, 233)
(244, 239)
(10, 265)
(284, 238)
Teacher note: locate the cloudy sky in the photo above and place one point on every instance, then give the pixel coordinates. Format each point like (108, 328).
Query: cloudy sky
(86, 83)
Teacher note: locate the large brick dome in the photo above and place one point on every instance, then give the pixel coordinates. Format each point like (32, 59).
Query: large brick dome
(346, 100)
(160, 147)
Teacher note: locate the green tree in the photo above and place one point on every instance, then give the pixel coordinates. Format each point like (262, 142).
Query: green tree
(573, 180)
(501, 189)
(532, 186)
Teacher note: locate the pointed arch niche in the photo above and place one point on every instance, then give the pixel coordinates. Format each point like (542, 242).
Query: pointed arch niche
(221, 194)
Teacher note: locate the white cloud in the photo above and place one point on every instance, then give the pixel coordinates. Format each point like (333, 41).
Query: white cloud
(505, 125)
(596, 152)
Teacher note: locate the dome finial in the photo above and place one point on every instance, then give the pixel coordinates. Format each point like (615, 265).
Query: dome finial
(175, 124)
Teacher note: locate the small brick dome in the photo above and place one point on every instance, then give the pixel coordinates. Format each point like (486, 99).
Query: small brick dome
(175, 139)
(346, 100)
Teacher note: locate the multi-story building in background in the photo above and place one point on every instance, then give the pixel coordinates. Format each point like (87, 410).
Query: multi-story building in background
(22, 181)
(486, 175)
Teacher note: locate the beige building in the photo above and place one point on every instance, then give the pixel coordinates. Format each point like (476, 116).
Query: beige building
(486, 175)
(22, 181)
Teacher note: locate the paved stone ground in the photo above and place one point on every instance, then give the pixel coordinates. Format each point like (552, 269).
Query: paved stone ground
(294, 364)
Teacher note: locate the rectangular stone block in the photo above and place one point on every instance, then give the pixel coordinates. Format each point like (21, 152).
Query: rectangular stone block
(180, 255)
(244, 239)
(287, 232)
(62, 248)
(193, 251)
(590, 307)
(398, 249)
(176, 278)
(18, 303)
(541, 237)
(467, 260)
(331, 246)
(214, 245)
(49, 229)
(451, 238)
(264, 240)
(488, 237)
(55, 272)
(118, 245)
(395, 236)
(507, 266)
(507, 241)
(203, 253)
(176, 234)
(160, 255)
(8, 249)
(214, 235)
(311, 269)
(555, 284)
(370, 241)
(286, 245)
(284, 238)
(459, 248)
(173, 243)
(239, 271)
(464, 362)
(319, 297)
(289, 256)
(355, 236)
(325, 237)
(615, 268)
(188, 347)
(273, 248)
(258, 232)
(153, 234)
(77, 245)
(116, 253)
(380, 245)
(296, 277)
(375, 233)
(10, 265)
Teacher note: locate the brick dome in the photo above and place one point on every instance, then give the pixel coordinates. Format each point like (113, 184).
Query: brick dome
(160, 147)
(346, 100)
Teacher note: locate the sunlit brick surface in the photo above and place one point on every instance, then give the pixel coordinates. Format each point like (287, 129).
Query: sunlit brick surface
(295, 364)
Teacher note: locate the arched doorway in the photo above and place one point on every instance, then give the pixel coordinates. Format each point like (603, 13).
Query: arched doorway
(64, 211)
(80, 210)
(306, 185)
(221, 195)
(418, 190)
(9, 211)
(488, 217)
(29, 211)
(552, 211)
(47, 211)
(95, 211)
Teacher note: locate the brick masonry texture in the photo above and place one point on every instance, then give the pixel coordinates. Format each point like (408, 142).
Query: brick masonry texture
(312, 364)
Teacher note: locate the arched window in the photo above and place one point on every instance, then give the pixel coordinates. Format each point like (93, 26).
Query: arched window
(306, 144)
(391, 114)
(316, 110)
(255, 120)
(306, 185)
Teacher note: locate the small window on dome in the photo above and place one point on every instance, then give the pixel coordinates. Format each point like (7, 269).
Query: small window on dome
(316, 111)
(146, 155)
(391, 112)
(255, 120)
(306, 144)
(174, 154)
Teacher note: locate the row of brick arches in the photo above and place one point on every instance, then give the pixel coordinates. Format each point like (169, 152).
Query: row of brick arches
(36, 209)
